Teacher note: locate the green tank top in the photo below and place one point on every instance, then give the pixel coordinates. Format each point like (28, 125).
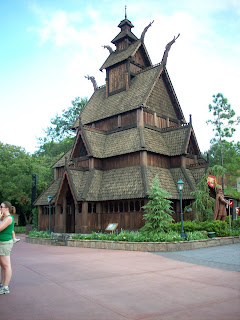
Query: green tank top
(6, 234)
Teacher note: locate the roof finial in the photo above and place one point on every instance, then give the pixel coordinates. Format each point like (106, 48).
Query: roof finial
(125, 12)
(95, 86)
(145, 30)
(167, 48)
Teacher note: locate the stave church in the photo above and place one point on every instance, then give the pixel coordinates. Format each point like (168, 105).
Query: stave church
(131, 129)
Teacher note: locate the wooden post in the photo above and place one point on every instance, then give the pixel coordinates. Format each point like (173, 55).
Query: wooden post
(84, 227)
(167, 122)
(119, 121)
(91, 163)
(64, 215)
(77, 219)
(155, 119)
(143, 158)
(57, 218)
(98, 211)
(127, 82)
(106, 88)
(140, 122)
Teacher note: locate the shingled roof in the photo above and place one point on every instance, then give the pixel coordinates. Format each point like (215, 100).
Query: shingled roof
(99, 107)
(127, 183)
(113, 144)
(51, 190)
(169, 142)
(119, 56)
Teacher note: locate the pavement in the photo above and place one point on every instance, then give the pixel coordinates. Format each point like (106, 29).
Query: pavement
(54, 282)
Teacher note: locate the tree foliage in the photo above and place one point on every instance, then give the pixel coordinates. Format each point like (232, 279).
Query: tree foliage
(158, 210)
(231, 156)
(17, 166)
(203, 203)
(224, 122)
(61, 125)
(16, 176)
(223, 118)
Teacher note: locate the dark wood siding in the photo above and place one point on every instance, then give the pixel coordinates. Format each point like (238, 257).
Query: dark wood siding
(129, 118)
(107, 124)
(157, 160)
(117, 78)
(126, 160)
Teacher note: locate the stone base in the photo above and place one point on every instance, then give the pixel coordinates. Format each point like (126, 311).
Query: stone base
(138, 246)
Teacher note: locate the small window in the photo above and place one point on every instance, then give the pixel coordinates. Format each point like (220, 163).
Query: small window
(89, 207)
(137, 206)
(106, 207)
(111, 207)
(121, 207)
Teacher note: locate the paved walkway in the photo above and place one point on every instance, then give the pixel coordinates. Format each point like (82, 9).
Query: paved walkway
(222, 257)
(55, 283)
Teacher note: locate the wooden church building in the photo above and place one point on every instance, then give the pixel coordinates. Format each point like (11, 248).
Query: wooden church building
(131, 130)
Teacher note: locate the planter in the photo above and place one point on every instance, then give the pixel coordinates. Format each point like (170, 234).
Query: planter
(212, 234)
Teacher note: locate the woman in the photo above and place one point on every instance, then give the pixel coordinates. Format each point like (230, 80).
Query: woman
(6, 244)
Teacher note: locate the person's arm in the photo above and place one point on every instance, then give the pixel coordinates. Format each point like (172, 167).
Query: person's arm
(6, 222)
(224, 200)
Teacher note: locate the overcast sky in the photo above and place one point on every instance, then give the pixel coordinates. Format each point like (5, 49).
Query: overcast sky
(48, 46)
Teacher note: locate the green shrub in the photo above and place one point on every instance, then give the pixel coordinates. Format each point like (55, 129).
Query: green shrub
(196, 235)
(137, 236)
(158, 211)
(39, 234)
(188, 226)
(236, 224)
(235, 232)
(20, 229)
(219, 227)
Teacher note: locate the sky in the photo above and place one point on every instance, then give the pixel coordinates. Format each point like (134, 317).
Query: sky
(49, 46)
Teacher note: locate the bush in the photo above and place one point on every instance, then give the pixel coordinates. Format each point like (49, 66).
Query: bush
(20, 229)
(219, 227)
(137, 236)
(39, 234)
(236, 224)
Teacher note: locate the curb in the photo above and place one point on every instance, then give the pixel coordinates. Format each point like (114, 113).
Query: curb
(138, 246)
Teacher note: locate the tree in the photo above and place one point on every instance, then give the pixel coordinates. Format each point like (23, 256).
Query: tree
(203, 203)
(62, 125)
(158, 210)
(16, 178)
(231, 156)
(223, 121)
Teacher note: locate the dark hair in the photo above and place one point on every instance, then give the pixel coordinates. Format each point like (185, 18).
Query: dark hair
(8, 205)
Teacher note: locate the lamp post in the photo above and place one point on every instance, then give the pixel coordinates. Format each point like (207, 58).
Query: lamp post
(49, 198)
(180, 185)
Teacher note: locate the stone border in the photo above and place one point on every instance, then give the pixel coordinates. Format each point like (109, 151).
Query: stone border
(138, 246)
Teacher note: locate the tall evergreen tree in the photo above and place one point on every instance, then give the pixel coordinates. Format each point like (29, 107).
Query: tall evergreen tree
(158, 210)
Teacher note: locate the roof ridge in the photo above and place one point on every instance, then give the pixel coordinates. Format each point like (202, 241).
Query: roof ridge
(148, 68)
(178, 126)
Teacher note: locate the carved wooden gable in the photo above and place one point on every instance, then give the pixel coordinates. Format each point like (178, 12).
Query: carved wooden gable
(192, 145)
(79, 148)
